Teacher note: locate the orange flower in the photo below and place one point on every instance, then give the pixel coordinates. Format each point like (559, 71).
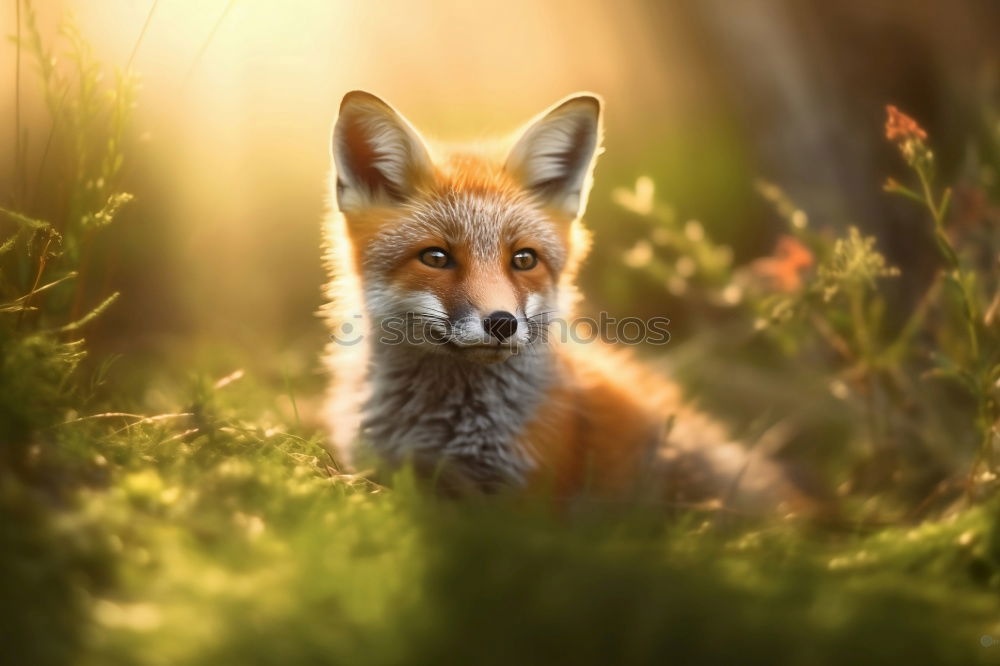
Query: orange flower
(900, 127)
(785, 267)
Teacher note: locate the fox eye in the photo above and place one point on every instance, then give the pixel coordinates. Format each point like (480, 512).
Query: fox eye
(435, 257)
(524, 260)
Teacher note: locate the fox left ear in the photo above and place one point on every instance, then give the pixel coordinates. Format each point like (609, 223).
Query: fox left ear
(555, 155)
(378, 155)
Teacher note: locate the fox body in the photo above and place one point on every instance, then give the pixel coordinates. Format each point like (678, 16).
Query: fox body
(447, 268)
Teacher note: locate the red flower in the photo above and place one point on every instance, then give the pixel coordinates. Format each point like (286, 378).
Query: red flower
(900, 127)
(784, 268)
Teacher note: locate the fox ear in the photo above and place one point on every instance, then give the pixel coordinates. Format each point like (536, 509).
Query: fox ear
(554, 157)
(379, 157)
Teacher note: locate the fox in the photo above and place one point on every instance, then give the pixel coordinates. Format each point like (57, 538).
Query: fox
(447, 265)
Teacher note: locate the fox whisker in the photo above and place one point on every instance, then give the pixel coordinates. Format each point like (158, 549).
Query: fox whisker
(435, 310)
(431, 314)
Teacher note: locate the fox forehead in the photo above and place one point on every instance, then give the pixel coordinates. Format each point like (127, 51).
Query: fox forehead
(485, 224)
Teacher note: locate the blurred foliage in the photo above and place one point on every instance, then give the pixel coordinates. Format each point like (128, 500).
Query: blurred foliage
(926, 388)
(40, 351)
(41, 260)
(152, 522)
(198, 536)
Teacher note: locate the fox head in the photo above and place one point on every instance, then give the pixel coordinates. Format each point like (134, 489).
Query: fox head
(462, 253)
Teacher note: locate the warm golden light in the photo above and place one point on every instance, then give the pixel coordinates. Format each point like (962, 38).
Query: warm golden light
(745, 410)
(238, 97)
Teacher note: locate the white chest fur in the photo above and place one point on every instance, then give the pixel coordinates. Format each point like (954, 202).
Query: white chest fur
(432, 408)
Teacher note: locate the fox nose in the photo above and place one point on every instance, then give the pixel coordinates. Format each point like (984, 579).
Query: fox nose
(500, 324)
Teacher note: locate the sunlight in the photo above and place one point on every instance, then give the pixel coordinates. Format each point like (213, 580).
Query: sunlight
(700, 365)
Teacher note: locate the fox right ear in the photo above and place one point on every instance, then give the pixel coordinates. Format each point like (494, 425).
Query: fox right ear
(555, 155)
(379, 157)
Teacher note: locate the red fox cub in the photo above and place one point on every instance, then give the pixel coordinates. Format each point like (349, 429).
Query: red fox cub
(448, 268)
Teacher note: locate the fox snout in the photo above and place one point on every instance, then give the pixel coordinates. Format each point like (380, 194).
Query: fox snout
(489, 328)
(500, 324)
(494, 328)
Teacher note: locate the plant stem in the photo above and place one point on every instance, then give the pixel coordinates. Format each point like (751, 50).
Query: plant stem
(142, 34)
(42, 260)
(207, 42)
(984, 407)
(951, 257)
(856, 301)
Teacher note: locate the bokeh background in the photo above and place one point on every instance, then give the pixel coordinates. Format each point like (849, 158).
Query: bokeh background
(169, 500)
(228, 150)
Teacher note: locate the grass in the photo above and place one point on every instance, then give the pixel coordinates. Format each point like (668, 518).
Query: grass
(206, 524)
(202, 537)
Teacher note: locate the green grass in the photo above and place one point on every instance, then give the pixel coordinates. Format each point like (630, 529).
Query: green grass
(217, 532)
(236, 544)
